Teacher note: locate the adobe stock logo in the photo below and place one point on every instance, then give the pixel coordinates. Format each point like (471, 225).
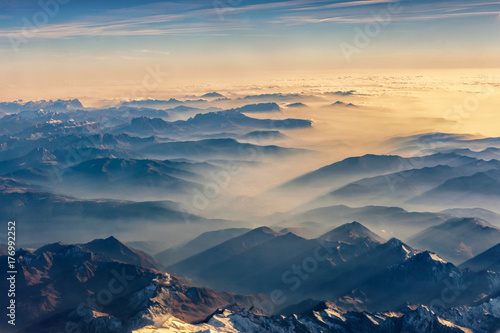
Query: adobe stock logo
(48, 10)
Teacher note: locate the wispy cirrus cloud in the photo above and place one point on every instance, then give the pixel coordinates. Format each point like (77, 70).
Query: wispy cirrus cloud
(165, 53)
(450, 15)
(199, 18)
(343, 5)
(372, 18)
(250, 32)
(174, 18)
(145, 26)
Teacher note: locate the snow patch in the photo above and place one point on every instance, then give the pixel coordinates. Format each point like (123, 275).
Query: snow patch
(435, 257)
(450, 324)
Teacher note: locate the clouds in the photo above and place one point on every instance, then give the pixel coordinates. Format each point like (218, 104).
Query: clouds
(227, 33)
(364, 11)
(154, 25)
(165, 53)
(345, 4)
(197, 18)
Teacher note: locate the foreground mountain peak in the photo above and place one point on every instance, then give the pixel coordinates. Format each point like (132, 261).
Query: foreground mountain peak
(263, 230)
(429, 257)
(395, 243)
(114, 249)
(111, 240)
(351, 232)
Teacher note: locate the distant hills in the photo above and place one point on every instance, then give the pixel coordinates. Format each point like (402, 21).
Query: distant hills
(215, 149)
(296, 105)
(38, 209)
(394, 221)
(480, 189)
(260, 107)
(370, 165)
(435, 182)
(398, 187)
(458, 239)
(212, 95)
(58, 105)
(230, 120)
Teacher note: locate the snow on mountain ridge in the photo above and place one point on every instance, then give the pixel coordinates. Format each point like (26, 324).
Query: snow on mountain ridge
(481, 318)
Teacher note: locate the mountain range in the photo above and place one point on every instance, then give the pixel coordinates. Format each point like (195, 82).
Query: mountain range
(355, 168)
(201, 243)
(458, 239)
(229, 120)
(109, 286)
(348, 259)
(328, 317)
(103, 286)
(297, 239)
(38, 209)
(390, 221)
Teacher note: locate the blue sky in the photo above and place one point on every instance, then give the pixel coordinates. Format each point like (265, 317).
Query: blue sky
(99, 27)
(99, 39)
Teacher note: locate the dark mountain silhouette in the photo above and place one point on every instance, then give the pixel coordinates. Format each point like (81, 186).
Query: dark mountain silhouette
(223, 251)
(355, 168)
(118, 251)
(263, 136)
(481, 189)
(488, 260)
(215, 149)
(199, 244)
(391, 219)
(351, 232)
(229, 120)
(405, 185)
(38, 210)
(212, 95)
(296, 105)
(480, 213)
(260, 107)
